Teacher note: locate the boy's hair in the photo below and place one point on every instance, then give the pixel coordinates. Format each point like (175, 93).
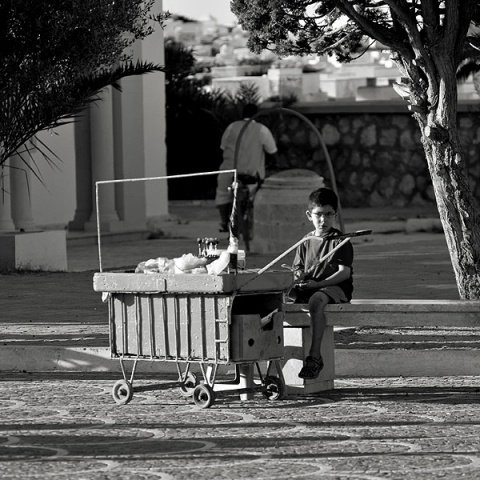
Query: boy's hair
(321, 197)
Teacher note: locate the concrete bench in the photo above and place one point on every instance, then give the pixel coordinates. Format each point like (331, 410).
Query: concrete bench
(364, 313)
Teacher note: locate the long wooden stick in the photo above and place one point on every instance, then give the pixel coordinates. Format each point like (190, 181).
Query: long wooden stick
(312, 268)
(293, 247)
(303, 240)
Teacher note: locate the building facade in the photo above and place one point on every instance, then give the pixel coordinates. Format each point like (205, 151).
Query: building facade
(120, 136)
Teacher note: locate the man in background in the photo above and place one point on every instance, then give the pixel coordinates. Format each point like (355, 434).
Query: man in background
(257, 140)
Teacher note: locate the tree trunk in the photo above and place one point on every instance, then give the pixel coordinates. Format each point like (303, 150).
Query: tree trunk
(434, 103)
(456, 205)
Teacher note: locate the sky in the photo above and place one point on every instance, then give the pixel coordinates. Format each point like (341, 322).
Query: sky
(194, 9)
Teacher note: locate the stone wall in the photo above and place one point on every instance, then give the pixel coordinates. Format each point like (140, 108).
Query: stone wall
(375, 149)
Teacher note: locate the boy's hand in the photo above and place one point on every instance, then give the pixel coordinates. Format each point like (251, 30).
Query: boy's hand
(307, 285)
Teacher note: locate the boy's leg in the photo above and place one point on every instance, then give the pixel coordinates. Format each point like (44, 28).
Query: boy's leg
(314, 362)
(316, 306)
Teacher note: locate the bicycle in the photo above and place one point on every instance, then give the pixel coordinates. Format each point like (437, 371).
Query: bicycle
(247, 188)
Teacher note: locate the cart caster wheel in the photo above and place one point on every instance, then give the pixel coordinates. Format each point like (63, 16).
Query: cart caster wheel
(189, 382)
(203, 396)
(122, 392)
(273, 388)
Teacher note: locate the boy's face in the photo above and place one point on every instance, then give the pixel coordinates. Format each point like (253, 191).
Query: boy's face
(322, 217)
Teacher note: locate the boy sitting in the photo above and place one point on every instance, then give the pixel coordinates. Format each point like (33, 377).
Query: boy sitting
(319, 284)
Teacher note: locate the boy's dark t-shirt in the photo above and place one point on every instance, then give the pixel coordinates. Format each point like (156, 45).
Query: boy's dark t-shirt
(310, 252)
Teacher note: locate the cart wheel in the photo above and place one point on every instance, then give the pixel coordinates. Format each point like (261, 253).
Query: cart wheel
(203, 396)
(273, 388)
(122, 392)
(189, 382)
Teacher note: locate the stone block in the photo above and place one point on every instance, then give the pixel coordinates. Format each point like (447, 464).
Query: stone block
(297, 344)
(45, 251)
(279, 210)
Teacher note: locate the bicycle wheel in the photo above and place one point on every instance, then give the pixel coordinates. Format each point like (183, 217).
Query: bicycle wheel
(248, 221)
(242, 209)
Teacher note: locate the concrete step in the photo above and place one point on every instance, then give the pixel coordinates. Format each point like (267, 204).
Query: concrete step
(406, 363)
(358, 353)
(408, 352)
(428, 338)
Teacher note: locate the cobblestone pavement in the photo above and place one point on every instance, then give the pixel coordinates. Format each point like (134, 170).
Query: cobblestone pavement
(68, 426)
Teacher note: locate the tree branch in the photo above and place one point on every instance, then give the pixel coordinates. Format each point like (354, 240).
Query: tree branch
(373, 30)
(405, 18)
(430, 14)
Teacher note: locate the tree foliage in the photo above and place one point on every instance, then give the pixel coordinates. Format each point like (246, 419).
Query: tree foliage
(336, 26)
(430, 41)
(55, 55)
(421, 34)
(179, 63)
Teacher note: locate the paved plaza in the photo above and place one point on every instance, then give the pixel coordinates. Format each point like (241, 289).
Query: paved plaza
(68, 426)
(65, 424)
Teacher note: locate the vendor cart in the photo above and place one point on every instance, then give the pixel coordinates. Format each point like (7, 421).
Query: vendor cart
(209, 320)
(196, 318)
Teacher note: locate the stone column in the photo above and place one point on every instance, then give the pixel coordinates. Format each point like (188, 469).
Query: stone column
(6, 223)
(27, 247)
(129, 107)
(155, 124)
(83, 173)
(20, 190)
(102, 144)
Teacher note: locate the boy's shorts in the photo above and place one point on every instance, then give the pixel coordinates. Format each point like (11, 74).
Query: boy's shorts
(335, 293)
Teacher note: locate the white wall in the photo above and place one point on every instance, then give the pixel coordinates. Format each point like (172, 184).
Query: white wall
(155, 125)
(233, 84)
(54, 203)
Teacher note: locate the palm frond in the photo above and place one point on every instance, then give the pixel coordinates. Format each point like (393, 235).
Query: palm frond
(25, 112)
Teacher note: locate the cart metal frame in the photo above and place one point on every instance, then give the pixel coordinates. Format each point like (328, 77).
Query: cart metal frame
(204, 319)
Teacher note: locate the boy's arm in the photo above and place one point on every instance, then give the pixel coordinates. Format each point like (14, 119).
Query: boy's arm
(342, 274)
(342, 270)
(298, 265)
(226, 137)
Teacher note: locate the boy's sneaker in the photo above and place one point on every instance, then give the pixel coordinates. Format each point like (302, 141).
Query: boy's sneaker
(312, 368)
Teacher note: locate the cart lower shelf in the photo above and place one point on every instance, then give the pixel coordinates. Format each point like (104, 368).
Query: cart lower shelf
(204, 391)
